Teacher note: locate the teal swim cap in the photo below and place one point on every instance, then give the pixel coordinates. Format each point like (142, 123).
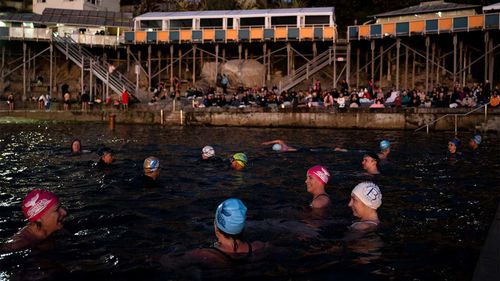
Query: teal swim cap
(240, 157)
(277, 147)
(477, 139)
(230, 216)
(385, 144)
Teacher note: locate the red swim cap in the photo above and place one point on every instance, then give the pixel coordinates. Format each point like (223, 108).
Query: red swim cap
(37, 202)
(320, 173)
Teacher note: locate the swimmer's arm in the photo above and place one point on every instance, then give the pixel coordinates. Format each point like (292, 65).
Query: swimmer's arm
(338, 149)
(14, 244)
(273, 142)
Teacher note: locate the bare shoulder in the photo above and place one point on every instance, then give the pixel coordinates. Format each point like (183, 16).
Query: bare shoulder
(320, 202)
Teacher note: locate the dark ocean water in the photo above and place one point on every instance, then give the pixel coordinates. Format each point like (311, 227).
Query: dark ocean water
(435, 213)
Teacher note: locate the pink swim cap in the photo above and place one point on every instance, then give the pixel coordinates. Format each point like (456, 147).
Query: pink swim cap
(37, 202)
(320, 173)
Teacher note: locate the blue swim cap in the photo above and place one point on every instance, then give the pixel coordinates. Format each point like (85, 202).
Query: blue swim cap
(384, 144)
(456, 142)
(230, 216)
(151, 164)
(277, 147)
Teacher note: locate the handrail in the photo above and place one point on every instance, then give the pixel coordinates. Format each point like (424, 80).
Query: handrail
(456, 116)
(84, 59)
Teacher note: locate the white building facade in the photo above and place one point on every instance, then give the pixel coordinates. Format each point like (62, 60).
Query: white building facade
(93, 5)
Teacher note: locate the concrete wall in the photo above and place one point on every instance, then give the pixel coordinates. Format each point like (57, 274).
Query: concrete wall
(363, 119)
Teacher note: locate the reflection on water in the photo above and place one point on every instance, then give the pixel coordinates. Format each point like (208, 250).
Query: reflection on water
(434, 215)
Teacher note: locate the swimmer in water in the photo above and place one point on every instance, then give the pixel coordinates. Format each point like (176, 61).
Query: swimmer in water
(385, 149)
(475, 141)
(208, 155)
(76, 146)
(316, 179)
(151, 173)
(107, 157)
(45, 216)
(366, 198)
(230, 218)
(280, 146)
(453, 146)
(370, 163)
(239, 161)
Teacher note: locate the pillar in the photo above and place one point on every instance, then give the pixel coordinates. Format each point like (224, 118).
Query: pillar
(454, 59)
(358, 51)
(216, 62)
(398, 47)
(381, 65)
(373, 61)
(407, 54)
(427, 45)
(194, 64)
(172, 66)
(149, 67)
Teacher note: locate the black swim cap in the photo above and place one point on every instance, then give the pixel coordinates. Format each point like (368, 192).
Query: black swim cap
(373, 155)
(104, 150)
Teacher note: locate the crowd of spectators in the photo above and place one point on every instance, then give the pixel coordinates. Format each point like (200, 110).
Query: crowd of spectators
(316, 97)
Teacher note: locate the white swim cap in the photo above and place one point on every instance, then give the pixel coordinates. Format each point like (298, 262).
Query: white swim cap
(208, 151)
(277, 147)
(369, 193)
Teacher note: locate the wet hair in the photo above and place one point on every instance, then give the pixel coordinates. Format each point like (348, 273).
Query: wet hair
(373, 155)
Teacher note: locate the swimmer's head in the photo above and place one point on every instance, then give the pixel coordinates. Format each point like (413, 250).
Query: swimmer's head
(477, 139)
(37, 203)
(76, 146)
(384, 145)
(455, 142)
(104, 150)
(277, 147)
(207, 152)
(372, 155)
(230, 216)
(320, 173)
(239, 160)
(151, 164)
(369, 193)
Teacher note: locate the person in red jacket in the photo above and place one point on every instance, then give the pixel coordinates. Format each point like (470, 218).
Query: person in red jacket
(125, 99)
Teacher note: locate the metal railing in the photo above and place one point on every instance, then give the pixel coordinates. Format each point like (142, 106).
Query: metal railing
(312, 67)
(85, 60)
(456, 115)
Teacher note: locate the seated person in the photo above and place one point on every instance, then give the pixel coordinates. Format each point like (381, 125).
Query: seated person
(45, 216)
(151, 173)
(370, 163)
(239, 161)
(316, 179)
(475, 141)
(280, 146)
(230, 248)
(366, 198)
(107, 157)
(385, 149)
